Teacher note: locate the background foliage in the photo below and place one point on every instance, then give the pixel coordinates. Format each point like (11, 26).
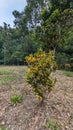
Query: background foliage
(47, 24)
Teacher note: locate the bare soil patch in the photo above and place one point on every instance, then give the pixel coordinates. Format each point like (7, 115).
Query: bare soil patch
(30, 114)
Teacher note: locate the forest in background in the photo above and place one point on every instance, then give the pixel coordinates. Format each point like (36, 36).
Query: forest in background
(46, 24)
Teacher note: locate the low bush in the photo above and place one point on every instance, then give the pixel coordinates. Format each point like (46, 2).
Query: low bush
(67, 67)
(16, 99)
(39, 72)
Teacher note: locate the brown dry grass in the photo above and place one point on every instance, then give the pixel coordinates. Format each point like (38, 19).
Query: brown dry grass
(30, 114)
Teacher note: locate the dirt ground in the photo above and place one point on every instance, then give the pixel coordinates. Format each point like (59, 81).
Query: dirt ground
(30, 114)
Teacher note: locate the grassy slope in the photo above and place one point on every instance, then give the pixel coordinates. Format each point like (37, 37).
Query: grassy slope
(55, 113)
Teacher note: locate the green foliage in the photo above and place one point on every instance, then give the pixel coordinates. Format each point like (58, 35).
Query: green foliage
(64, 53)
(53, 126)
(44, 24)
(40, 67)
(16, 99)
(61, 59)
(33, 12)
(56, 27)
(60, 4)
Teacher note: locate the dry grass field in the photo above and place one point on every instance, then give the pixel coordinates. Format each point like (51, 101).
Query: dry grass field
(21, 110)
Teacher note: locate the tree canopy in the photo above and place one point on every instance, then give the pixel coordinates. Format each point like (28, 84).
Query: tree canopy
(47, 24)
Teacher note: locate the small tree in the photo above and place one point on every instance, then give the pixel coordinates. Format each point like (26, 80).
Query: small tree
(40, 67)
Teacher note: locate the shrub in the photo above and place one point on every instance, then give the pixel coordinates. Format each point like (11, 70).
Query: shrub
(40, 67)
(61, 59)
(16, 99)
(67, 66)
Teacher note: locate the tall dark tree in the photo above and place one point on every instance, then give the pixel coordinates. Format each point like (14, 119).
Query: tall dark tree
(57, 21)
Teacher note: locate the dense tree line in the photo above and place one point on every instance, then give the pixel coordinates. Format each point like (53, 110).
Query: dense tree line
(47, 24)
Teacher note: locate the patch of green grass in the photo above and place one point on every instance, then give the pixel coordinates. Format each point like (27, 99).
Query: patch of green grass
(16, 99)
(6, 79)
(6, 76)
(68, 73)
(3, 128)
(4, 72)
(10, 74)
(52, 125)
